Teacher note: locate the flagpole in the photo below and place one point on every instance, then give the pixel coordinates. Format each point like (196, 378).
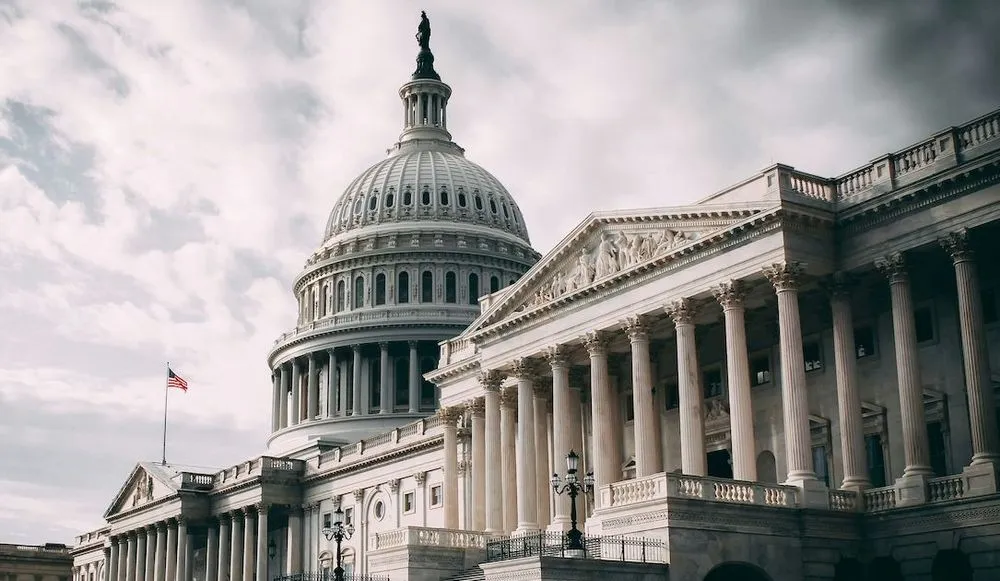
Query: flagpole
(166, 392)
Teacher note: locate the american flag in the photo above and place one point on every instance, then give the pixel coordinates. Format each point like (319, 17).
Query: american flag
(174, 380)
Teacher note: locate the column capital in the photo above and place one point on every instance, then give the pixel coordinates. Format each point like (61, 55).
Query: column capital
(838, 285)
(557, 355)
(393, 485)
(182, 521)
(682, 311)
(784, 276)
(523, 368)
(508, 397)
(637, 328)
(420, 477)
(359, 494)
(222, 517)
(356, 348)
(956, 244)
(491, 379)
(892, 267)
(449, 415)
(262, 507)
(412, 344)
(476, 407)
(383, 345)
(464, 466)
(730, 294)
(596, 342)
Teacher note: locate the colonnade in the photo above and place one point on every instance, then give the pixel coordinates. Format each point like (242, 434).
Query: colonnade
(509, 438)
(348, 385)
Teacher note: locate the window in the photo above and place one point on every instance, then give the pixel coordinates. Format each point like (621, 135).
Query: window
(672, 395)
(991, 312)
(408, 502)
(494, 284)
(436, 495)
(372, 203)
(938, 450)
(359, 292)
(375, 394)
(923, 322)
(760, 370)
(427, 287)
(349, 516)
(389, 199)
(493, 206)
(403, 288)
(340, 295)
(812, 355)
(407, 197)
(712, 380)
(473, 289)
(876, 459)
(358, 205)
(820, 466)
(628, 406)
(379, 509)
(461, 199)
(444, 197)
(506, 213)
(479, 201)
(380, 289)
(864, 342)
(425, 197)
(327, 520)
(450, 288)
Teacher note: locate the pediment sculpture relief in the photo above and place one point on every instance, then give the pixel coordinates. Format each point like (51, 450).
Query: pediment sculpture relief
(143, 491)
(716, 409)
(615, 252)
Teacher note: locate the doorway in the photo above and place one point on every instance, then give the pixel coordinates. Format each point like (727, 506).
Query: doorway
(719, 464)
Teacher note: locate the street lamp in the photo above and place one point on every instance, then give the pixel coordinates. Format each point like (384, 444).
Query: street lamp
(341, 533)
(573, 486)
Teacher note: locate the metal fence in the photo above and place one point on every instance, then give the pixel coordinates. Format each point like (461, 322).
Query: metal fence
(328, 576)
(636, 550)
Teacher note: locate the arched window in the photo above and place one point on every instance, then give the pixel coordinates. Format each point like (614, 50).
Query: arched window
(506, 213)
(462, 202)
(494, 284)
(425, 197)
(373, 202)
(444, 197)
(450, 288)
(403, 288)
(493, 205)
(380, 289)
(427, 287)
(407, 197)
(358, 205)
(473, 289)
(359, 292)
(389, 199)
(341, 291)
(479, 201)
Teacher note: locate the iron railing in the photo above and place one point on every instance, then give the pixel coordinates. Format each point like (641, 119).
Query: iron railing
(328, 576)
(636, 550)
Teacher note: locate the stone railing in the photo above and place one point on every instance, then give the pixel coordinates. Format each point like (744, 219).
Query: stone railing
(844, 501)
(429, 537)
(455, 350)
(387, 314)
(194, 480)
(878, 499)
(98, 536)
(377, 444)
(47, 551)
(945, 488)
(256, 467)
(663, 486)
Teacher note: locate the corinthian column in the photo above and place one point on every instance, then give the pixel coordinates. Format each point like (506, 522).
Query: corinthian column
(182, 549)
(151, 552)
(607, 456)
(296, 395)
(212, 552)
(331, 386)
(978, 382)
(911, 397)
(286, 381)
(262, 510)
(561, 436)
(276, 403)
(648, 444)
(236, 551)
(170, 567)
(225, 544)
(249, 522)
(852, 434)
(112, 565)
(794, 399)
(690, 392)
(414, 376)
(730, 295)
(541, 427)
(508, 456)
(130, 557)
(293, 558)
(477, 410)
(312, 386)
(449, 416)
(490, 380)
(527, 503)
(385, 394)
(140, 555)
(356, 381)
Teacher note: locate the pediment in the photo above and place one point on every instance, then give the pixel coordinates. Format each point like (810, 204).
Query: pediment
(611, 245)
(143, 486)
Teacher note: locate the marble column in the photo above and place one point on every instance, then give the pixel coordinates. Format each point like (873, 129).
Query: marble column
(212, 552)
(123, 558)
(730, 296)
(786, 277)
(527, 502)
(414, 378)
(449, 416)
(130, 557)
(160, 558)
(293, 561)
(345, 379)
(561, 435)
(604, 414)
(296, 395)
(312, 389)
(916, 451)
(249, 528)
(331, 386)
(170, 566)
(276, 403)
(852, 430)
(286, 384)
(508, 456)
(182, 550)
(385, 394)
(477, 411)
(576, 443)
(356, 382)
(648, 443)
(225, 546)
(975, 356)
(262, 513)
(490, 381)
(149, 574)
(112, 565)
(140, 555)
(236, 550)
(543, 488)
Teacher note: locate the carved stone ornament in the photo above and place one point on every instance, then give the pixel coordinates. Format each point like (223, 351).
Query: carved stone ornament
(420, 477)
(730, 294)
(522, 368)
(464, 466)
(681, 311)
(838, 285)
(449, 415)
(359, 494)
(556, 355)
(784, 276)
(477, 407)
(491, 379)
(637, 328)
(716, 409)
(615, 252)
(143, 491)
(892, 267)
(596, 342)
(393, 485)
(956, 244)
(338, 500)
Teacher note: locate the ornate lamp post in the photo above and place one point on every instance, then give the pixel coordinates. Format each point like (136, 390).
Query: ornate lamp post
(573, 486)
(339, 532)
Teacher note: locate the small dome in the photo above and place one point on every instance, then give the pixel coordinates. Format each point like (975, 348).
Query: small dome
(431, 182)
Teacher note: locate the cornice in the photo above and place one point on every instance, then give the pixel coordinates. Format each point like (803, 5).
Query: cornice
(453, 370)
(363, 463)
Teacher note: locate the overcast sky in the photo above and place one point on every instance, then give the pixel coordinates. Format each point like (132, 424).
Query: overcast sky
(167, 166)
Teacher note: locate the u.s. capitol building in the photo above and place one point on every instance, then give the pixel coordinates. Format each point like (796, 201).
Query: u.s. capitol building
(794, 378)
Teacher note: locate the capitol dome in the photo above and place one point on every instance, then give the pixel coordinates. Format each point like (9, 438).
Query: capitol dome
(410, 248)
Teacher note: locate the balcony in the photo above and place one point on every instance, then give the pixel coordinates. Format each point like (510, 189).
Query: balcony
(626, 549)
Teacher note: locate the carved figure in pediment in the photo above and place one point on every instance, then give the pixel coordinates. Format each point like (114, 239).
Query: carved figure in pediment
(585, 269)
(149, 488)
(558, 285)
(607, 262)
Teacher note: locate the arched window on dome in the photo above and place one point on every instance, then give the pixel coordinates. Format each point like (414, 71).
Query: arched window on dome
(407, 197)
(359, 292)
(345, 213)
(380, 289)
(506, 213)
(427, 287)
(450, 287)
(444, 196)
(425, 197)
(473, 289)
(479, 200)
(514, 217)
(373, 201)
(390, 198)
(341, 291)
(494, 284)
(358, 205)
(403, 288)
(462, 201)
(493, 205)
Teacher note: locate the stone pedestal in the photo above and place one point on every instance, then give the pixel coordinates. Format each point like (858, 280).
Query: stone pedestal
(911, 489)
(982, 478)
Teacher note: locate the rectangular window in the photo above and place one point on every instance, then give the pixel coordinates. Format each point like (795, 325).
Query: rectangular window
(712, 380)
(819, 464)
(760, 370)
(812, 355)
(938, 451)
(876, 459)
(349, 516)
(436, 496)
(991, 312)
(864, 341)
(327, 520)
(408, 499)
(923, 320)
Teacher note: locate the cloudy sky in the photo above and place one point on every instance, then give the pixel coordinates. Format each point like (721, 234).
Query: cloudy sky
(166, 167)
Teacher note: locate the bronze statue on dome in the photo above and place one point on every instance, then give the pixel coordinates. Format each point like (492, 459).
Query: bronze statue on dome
(424, 32)
(425, 58)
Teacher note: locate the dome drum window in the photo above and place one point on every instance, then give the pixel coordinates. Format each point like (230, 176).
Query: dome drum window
(403, 288)
(427, 287)
(450, 287)
(359, 292)
(380, 288)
